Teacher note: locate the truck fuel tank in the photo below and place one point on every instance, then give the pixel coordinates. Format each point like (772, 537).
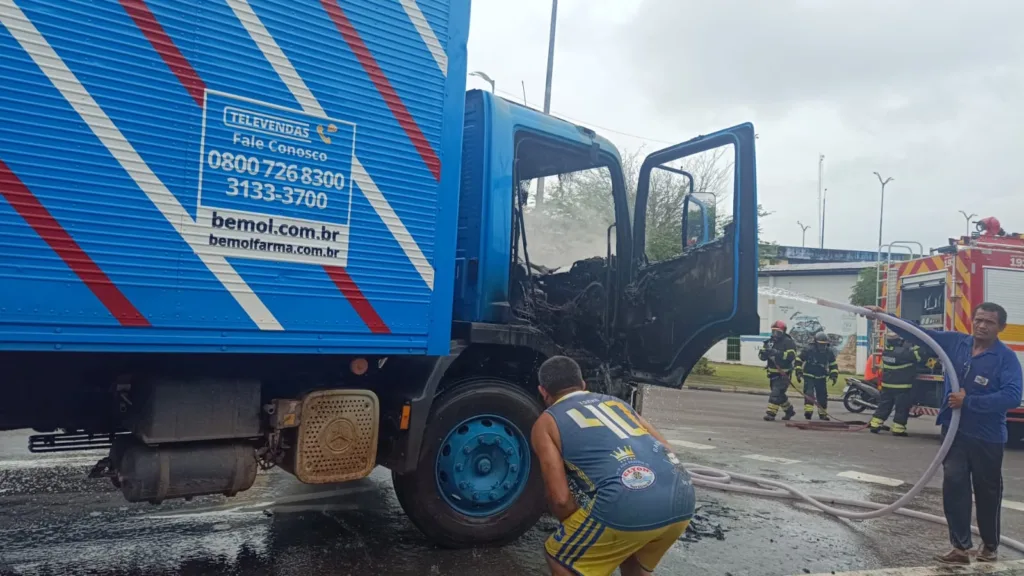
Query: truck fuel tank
(183, 470)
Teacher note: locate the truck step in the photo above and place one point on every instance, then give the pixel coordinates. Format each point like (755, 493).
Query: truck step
(71, 441)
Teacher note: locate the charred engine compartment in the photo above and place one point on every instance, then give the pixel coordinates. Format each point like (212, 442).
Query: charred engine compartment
(570, 306)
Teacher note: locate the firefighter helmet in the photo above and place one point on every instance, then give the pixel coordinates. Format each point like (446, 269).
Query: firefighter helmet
(779, 325)
(821, 338)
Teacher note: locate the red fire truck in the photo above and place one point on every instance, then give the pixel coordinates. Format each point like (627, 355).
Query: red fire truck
(940, 291)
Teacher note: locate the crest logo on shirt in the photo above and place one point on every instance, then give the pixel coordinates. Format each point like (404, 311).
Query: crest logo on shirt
(637, 477)
(624, 453)
(981, 380)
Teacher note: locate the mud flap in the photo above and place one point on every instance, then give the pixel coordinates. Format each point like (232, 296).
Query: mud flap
(337, 436)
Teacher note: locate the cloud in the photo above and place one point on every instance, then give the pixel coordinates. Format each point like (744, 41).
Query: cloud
(925, 91)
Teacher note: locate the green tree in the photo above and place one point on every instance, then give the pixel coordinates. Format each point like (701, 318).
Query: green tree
(574, 221)
(863, 292)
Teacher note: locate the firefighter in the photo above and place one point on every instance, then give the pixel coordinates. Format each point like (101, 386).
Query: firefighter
(779, 354)
(900, 360)
(816, 364)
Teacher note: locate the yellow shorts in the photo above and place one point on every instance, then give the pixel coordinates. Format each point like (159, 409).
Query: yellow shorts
(589, 548)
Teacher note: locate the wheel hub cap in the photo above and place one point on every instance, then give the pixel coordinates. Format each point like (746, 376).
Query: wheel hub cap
(482, 465)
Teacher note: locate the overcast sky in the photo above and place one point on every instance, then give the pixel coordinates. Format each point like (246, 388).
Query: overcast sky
(930, 92)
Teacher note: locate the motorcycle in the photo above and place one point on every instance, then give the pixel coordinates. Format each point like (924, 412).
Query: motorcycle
(859, 395)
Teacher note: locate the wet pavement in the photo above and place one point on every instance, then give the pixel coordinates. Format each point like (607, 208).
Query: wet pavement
(55, 521)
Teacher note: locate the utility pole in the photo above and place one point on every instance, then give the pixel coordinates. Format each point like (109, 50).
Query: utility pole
(968, 218)
(523, 82)
(547, 84)
(824, 214)
(803, 230)
(821, 164)
(881, 215)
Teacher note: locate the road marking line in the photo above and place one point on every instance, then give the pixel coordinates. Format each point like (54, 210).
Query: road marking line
(870, 478)
(1013, 505)
(774, 459)
(977, 568)
(691, 445)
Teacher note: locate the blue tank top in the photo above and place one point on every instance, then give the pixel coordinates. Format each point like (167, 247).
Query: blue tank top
(620, 474)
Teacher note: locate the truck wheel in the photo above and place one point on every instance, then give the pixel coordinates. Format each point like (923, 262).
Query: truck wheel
(477, 481)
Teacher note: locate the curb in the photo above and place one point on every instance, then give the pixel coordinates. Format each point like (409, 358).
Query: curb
(739, 390)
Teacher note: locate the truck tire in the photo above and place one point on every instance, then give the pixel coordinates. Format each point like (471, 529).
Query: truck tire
(477, 481)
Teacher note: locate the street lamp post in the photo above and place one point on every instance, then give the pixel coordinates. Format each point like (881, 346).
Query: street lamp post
(803, 231)
(547, 84)
(824, 214)
(821, 165)
(968, 218)
(483, 76)
(881, 215)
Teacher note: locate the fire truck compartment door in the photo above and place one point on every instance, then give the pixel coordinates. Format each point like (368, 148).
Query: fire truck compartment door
(924, 280)
(1005, 287)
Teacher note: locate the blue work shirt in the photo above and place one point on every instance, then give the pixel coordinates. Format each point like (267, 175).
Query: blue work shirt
(991, 379)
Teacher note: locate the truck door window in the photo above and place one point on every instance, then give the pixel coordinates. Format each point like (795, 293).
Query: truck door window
(688, 203)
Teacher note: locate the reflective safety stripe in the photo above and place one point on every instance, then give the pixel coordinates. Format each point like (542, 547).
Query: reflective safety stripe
(875, 422)
(897, 386)
(898, 428)
(808, 408)
(895, 366)
(786, 406)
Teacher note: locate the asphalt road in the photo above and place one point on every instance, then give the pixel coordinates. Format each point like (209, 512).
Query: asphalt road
(54, 521)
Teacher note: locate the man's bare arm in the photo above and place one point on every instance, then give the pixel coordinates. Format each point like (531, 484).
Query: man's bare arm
(652, 430)
(657, 435)
(552, 468)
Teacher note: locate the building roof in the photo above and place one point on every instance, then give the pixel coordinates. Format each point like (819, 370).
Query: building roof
(816, 269)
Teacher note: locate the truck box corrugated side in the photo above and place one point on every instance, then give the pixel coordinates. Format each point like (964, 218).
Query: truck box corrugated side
(230, 175)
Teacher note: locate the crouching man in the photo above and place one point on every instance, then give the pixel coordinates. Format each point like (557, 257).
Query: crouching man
(633, 498)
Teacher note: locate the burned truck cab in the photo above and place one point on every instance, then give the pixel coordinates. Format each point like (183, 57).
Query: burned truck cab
(565, 267)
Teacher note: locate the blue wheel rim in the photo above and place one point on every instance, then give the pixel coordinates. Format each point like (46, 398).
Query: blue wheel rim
(482, 465)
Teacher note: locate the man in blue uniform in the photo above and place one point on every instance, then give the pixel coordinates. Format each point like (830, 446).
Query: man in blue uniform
(990, 384)
(611, 479)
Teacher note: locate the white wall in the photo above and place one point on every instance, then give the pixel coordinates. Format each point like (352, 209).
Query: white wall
(847, 331)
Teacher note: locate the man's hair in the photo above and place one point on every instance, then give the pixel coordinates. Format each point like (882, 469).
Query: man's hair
(560, 373)
(993, 307)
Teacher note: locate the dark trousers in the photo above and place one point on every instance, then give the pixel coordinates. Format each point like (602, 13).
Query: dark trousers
(972, 464)
(815, 390)
(900, 398)
(778, 386)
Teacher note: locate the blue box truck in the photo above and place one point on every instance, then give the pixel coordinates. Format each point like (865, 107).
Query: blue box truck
(240, 234)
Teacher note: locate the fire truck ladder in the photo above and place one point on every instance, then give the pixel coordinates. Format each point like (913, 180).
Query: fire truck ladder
(888, 282)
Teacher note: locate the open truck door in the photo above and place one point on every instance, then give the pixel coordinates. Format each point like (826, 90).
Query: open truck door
(683, 299)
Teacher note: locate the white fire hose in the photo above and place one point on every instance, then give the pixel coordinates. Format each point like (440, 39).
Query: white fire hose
(720, 479)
